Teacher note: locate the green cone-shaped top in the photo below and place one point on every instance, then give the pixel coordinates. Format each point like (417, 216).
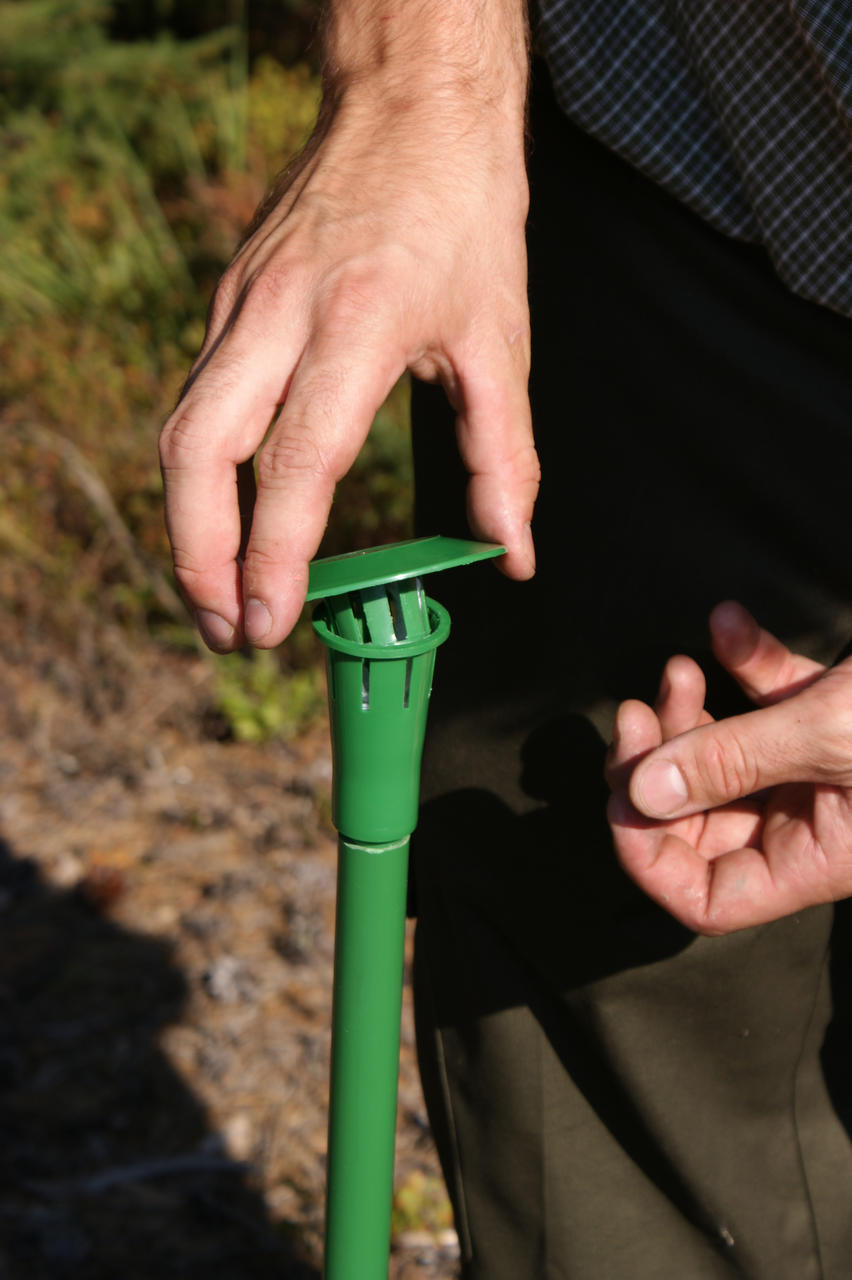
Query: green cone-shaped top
(381, 633)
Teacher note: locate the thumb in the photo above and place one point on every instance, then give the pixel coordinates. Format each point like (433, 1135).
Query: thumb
(792, 741)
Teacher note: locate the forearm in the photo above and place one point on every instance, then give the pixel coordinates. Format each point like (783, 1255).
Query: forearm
(473, 51)
(410, 82)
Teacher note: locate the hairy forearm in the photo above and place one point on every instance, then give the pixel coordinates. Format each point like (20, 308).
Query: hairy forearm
(407, 83)
(416, 51)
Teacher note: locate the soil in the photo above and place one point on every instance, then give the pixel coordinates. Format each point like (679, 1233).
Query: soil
(166, 916)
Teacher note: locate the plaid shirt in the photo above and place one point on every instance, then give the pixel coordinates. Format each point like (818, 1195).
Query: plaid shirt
(741, 108)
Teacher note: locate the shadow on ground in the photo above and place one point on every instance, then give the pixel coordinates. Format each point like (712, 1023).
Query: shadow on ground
(108, 1164)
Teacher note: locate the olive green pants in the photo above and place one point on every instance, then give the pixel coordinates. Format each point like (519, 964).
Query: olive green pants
(612, 1097)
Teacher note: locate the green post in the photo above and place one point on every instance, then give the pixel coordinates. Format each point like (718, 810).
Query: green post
(380, 633)
(368, 948)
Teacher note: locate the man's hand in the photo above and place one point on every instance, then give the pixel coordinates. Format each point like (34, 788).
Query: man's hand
(736, 823)
(397, 242)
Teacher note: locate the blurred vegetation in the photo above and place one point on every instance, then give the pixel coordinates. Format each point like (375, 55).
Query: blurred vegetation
(421, 1204)
(260, 700)
(137, 140)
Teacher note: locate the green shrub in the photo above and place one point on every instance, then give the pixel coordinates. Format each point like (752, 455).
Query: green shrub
(421, 1204)
(260, 700)
(131, 168)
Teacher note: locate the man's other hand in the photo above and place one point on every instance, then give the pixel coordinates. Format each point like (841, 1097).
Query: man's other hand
(734, 823)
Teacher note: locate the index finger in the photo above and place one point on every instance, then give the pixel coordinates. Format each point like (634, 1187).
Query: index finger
(332, 400)
(218, 424)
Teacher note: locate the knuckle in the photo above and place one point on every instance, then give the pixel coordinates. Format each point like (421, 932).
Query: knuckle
(528, 466)
(187, 575)
(830, 708)
(188, 572)
(255, 295)
(268, 285)
(521, 467)
(181, 440)
(726, 767)
(519, 343)
(263, 554)
(353, 292)
(347, 304)
(288, 274)
(296, 454)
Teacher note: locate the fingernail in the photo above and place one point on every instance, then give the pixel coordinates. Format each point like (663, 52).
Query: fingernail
(216, 631)
(258, 620)
(662, 789)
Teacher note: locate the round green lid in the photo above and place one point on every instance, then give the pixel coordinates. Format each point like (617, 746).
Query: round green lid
(392, 563)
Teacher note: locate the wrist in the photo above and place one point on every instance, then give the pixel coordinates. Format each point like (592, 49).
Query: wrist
(413, 56)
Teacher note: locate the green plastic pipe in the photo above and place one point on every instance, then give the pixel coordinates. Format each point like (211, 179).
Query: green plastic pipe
(368, 965)
(380, 633)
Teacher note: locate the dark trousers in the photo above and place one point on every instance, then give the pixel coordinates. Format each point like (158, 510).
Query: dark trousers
(614, 1098)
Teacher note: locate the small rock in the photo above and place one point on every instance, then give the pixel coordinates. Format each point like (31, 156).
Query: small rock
(416, 1241)
(66, 870)
(229, 981)
(238, 1136)
(448, 1243)
(165, 916)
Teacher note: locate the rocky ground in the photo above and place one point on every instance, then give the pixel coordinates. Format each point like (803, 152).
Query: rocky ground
(166, 916)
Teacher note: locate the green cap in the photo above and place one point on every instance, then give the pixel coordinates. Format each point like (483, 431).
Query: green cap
(393, 562)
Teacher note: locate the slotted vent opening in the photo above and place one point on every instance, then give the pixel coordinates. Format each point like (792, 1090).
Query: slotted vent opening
(400, 630)
(359, 616)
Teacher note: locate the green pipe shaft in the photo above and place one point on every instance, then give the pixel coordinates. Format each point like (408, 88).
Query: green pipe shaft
(368, 964)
